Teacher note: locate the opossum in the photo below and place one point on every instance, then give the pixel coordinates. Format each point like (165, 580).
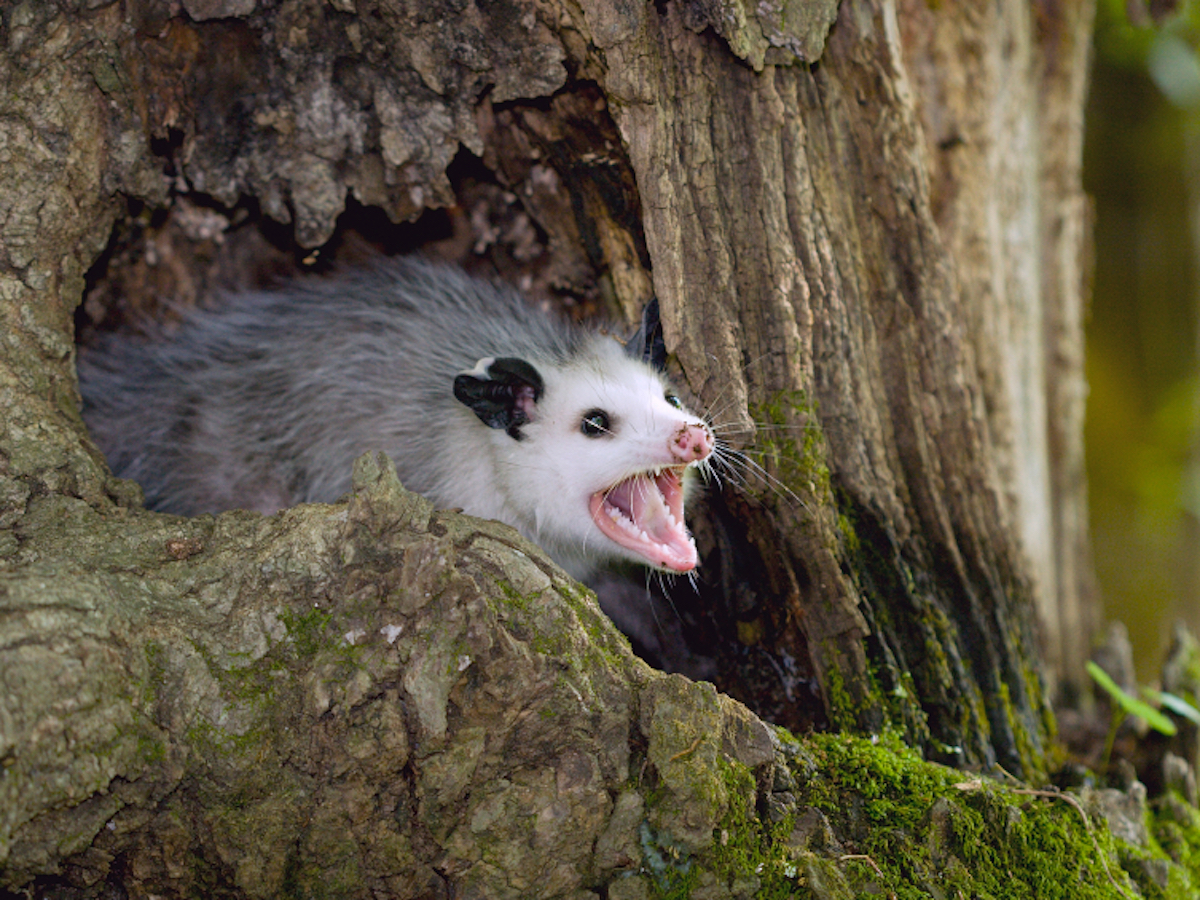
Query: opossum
(484, 402)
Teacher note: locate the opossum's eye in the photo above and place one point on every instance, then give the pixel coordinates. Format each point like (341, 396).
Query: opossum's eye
(595, 423)
(673, 400)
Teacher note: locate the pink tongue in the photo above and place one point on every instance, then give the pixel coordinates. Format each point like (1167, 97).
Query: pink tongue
(648, 520)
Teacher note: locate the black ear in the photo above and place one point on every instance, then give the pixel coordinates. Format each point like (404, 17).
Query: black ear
(647, 344)
(501, 391)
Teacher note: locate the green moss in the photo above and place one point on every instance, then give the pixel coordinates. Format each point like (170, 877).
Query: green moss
(213, 742)
(1032, 763)
(156, 667)
(256, 691)
(1175, 825)
(882, 577)
(888, 582)
(912, 829)
(331, 876)
(849, 535)
(1174, 828)
(747, 857)
(515, 597)
(843, 711)
(890, 782)
(746, 846)
(933, 831)
(150, 750)
(605, 650)
(602, 634)
(672, 872)
(307, 630)
(252, 684)
(1033, 683)
(906, 828)
(902, 714)
(799, 465)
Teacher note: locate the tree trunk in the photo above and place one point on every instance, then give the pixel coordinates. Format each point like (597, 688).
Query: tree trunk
(865, 229)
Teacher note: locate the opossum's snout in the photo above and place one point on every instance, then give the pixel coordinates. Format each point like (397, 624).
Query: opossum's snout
(644, 513)
(692, 443)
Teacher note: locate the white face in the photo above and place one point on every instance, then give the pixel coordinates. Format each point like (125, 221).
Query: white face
(601, 462)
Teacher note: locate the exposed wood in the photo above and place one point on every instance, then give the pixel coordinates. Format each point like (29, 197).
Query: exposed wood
(1004, 150)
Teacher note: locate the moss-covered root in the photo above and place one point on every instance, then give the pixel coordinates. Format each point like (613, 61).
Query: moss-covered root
(837, 817)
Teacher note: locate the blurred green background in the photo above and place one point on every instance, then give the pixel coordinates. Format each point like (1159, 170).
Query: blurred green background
(1142, 170)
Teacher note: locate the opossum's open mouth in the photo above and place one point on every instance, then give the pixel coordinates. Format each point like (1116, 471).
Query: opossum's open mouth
(644, 513)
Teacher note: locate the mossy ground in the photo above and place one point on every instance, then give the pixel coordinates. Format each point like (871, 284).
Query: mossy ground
(900, 827)
(935, 831)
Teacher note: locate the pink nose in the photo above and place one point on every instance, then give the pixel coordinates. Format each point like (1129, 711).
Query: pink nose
(692, 443)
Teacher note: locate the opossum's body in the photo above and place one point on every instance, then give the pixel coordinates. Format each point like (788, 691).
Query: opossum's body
(483, 402)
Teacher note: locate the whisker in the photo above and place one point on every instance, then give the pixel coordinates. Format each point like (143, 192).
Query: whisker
(738, 465)
(709, 472)
(665, 581)
(658, 627)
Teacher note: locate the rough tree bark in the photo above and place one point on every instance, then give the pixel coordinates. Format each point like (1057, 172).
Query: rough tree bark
(864, 227)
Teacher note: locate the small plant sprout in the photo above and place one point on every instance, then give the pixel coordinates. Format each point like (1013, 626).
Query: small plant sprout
(1125, 704)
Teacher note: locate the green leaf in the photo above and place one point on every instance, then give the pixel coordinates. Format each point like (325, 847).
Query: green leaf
(1132, 705)
(1105, 681)
(1174, 703)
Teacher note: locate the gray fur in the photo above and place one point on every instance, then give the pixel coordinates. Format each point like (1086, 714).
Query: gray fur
(267, 401)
